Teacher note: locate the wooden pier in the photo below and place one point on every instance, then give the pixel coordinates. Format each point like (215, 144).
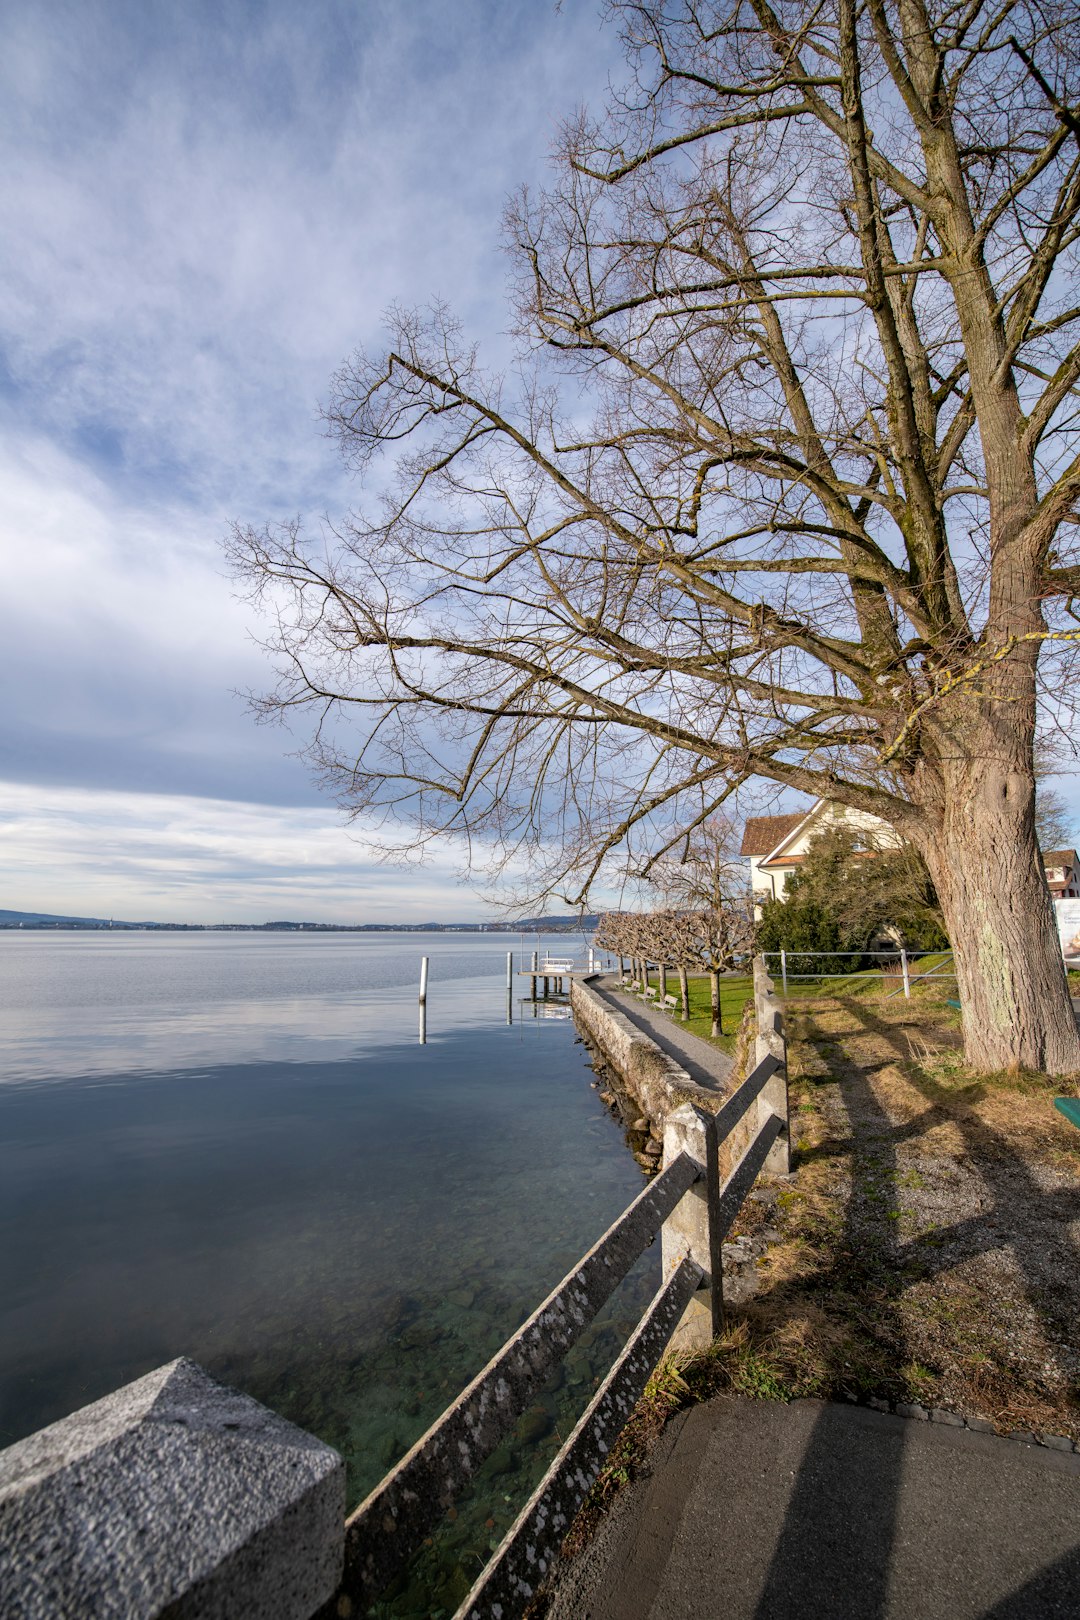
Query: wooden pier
(556, 972)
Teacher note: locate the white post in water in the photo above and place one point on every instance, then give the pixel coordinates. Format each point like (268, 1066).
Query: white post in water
(783, 969)
(904, 970)
(509, 970)
(423, 1000)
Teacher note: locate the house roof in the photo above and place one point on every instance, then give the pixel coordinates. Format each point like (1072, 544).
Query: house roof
(1053, 857)
(762, 833)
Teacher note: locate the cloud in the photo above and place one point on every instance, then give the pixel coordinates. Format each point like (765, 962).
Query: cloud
(210, 210)
(170, 858)
(205, 209)
(126, 648)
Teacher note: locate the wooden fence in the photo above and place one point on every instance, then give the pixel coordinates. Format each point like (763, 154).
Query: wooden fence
(692, 1208)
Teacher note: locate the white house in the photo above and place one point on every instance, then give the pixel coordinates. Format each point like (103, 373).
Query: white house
(776, 846)
(1062, 874)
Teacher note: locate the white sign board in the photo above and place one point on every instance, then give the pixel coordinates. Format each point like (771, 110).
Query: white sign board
(1068, 924)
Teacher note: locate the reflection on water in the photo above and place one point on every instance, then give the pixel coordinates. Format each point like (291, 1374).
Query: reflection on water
(232, 1147)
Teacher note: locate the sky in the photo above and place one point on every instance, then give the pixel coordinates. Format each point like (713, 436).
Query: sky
(205, 209)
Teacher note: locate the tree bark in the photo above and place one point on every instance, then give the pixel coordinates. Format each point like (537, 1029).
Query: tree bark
(984, 858)
(684, 986)
(714, 985)
(663, 979)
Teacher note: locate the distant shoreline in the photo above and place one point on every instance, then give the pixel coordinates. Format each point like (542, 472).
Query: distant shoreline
(76, 925)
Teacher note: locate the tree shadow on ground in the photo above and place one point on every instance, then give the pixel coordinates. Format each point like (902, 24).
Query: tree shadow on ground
(873, 1265)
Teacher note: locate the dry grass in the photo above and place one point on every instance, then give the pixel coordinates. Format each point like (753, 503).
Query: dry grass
(929, 1239)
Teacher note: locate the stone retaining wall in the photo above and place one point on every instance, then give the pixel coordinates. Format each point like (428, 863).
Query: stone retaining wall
(655, 1081)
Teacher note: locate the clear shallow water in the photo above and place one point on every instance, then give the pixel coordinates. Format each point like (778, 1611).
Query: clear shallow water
(232, 1147)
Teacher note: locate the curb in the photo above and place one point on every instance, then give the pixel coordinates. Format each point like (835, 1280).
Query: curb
(955, 1420)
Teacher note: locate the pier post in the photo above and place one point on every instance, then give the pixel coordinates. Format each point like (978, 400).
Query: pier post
(423, 1000)
(693, 1227)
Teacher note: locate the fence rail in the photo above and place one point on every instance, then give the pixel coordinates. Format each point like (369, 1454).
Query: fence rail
(894, 964)
(692, 1211)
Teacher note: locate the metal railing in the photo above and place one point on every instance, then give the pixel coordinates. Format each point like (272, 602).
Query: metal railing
(898, 963)
(692, 1207)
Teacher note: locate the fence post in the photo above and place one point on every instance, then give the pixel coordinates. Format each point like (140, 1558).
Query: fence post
(771, 1042)
(693, 1227)
(783, 971)
(174, 1495)
(905, 972)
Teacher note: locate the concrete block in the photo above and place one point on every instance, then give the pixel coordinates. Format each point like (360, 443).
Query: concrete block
(911, 1409)
(172, 1496)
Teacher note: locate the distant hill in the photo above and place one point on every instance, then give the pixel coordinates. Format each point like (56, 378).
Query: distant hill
(14, 919)
(531, 925)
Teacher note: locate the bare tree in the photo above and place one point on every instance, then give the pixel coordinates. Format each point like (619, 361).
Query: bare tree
(681, 935)
(725, 934)
(785, 483)
(1055, 824)
(705, 884)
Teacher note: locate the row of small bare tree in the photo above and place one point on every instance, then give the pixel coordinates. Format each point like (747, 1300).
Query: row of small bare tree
(706, 941)
(703, 921)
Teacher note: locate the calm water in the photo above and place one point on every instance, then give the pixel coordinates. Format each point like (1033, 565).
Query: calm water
(232, 1147)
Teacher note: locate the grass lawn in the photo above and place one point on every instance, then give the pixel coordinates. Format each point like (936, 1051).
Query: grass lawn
(734, 994)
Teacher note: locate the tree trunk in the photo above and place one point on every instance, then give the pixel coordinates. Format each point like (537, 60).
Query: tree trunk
(984, 858)
(684, 986)
(663, 979)
(622, 968)
(714, 985)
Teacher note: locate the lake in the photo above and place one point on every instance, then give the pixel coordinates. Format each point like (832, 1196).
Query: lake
(233, 1147)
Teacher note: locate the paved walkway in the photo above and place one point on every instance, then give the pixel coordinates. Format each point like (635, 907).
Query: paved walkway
(818, 1511)
(701, 1060)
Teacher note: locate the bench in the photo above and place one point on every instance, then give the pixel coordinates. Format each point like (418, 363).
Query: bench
(650, 993)
(671, 1003)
